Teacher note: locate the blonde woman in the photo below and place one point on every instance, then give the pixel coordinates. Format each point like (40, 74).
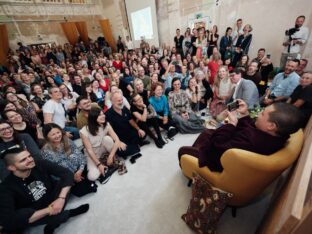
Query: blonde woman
(201, 44)
(222, 90)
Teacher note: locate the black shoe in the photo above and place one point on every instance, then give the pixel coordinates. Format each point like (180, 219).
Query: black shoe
(162, 141)
(107, 175)
(79, 210)
(144, 142)
(158, 143)
(135, 157)
(172, 132)
(49, 229)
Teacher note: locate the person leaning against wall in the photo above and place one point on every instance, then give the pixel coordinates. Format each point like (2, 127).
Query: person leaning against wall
(294, 39)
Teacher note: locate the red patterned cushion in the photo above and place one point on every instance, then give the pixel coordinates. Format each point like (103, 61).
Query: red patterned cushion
(206, 206)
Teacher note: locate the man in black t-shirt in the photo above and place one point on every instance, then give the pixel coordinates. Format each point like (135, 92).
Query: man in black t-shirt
(302, 96)
(128, 131)
(31, 195)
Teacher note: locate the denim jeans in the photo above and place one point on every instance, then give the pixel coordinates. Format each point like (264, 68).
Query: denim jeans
(74, 131)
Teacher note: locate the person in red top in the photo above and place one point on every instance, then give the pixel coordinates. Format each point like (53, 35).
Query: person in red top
(214, 64)
(117, 63)
(103, 82)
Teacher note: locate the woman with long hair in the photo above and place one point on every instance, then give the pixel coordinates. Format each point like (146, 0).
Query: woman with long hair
(201, 44)
(193, 94)
(226, 44)
(25, 108)
(86, 91)
(139, 89)
(222, 90)
(21, 126)
(61, 150)
(243, 63)
(212, 39)
(214, 64)
(101, 146)
(103, 82)
(38, 99)
(69, 101)
(181, 111)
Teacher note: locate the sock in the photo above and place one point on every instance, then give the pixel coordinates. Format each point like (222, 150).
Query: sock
(79, 210)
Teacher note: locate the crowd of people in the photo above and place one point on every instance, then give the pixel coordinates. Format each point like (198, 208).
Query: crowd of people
(54, 94)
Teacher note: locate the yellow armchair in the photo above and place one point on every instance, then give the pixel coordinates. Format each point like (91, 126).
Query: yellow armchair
(246, 174)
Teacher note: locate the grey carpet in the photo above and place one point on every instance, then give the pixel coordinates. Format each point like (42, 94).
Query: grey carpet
(150, 199)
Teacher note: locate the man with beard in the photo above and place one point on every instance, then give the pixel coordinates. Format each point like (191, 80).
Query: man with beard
(295, 38)
(129, 133)
(30, 196)
(282, 85)
(252, 73)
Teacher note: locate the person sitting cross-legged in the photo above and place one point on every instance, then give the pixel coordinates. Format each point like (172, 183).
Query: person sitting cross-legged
(101, 145)
(125, 127)
(62, 151)
(30, 195)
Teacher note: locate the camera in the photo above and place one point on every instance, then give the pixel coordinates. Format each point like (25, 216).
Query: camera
(268, 56)
(233, 106)
(291, 31)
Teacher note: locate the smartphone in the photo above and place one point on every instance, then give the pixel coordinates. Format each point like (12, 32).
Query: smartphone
(268, 56)
(233, 106)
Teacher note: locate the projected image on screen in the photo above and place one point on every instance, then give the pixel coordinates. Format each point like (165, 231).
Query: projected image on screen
(142, 24)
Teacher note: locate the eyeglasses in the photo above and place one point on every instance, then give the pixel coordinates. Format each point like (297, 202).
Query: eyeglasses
(2, 130)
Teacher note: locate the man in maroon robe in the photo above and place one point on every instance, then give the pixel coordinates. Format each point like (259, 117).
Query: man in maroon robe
(266, 135)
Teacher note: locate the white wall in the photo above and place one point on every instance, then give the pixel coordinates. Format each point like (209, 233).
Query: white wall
(269, 18)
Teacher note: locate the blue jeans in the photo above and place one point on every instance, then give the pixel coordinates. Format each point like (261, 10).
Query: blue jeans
(74, 131)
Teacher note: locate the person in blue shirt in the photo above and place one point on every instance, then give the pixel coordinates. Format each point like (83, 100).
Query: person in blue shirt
(282, 85)
(160, 103)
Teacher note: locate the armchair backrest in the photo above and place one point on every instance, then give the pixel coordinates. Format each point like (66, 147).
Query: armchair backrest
(247, 174)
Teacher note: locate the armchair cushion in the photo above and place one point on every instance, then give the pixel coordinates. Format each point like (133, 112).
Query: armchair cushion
(206, 206)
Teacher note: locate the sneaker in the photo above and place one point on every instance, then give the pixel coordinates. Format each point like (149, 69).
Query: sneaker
(172, 132)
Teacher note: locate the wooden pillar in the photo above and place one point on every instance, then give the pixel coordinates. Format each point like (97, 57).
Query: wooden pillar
(107, 31)
(83, 31)
(4, 44)
(70, 32)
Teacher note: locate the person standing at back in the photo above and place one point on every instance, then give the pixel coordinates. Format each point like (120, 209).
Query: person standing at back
(294, 39)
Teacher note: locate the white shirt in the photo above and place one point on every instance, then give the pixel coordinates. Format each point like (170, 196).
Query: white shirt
(235, 34)
(301, 35)
(129, 45)
(69, 101)
(235, 91)
(57, 110)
